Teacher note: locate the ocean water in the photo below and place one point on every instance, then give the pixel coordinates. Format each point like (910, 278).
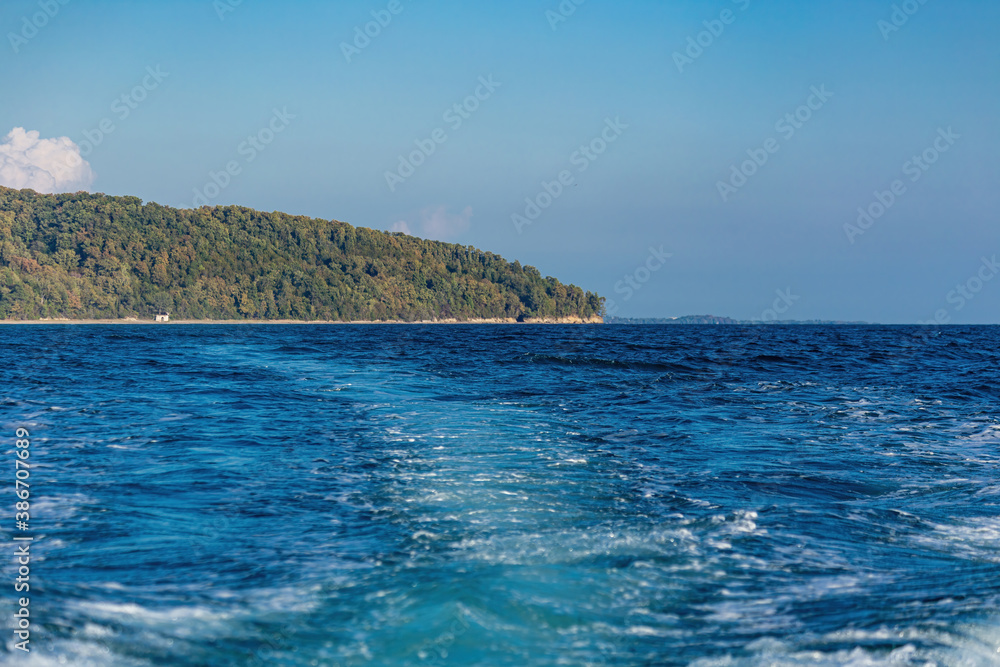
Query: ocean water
(505, 495)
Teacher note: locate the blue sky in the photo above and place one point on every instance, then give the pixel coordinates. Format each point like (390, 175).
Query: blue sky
(620, 100)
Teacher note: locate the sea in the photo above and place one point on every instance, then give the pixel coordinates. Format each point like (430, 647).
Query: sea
(334, 495)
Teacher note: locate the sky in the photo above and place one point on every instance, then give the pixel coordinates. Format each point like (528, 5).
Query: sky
(757, 159)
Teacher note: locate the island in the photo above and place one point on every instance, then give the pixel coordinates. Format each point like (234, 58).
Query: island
(83, 256)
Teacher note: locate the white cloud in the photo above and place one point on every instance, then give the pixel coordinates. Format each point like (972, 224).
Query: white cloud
(401, 226)
(43, 165)
(437, 223)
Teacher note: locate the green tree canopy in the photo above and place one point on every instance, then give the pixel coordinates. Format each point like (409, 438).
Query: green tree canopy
(90, 256)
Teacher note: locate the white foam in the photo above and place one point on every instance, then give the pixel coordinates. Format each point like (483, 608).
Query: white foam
(972, 538)
(75, 653)
(962, 646)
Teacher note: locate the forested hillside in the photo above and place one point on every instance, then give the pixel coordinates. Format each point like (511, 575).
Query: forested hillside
(84, 256)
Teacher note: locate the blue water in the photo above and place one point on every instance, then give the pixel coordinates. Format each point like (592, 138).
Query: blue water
(509, 495)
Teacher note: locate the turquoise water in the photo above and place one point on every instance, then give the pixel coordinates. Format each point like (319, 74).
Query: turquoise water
(477, 495)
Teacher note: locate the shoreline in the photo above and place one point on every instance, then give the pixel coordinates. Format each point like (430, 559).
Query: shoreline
(136, 321)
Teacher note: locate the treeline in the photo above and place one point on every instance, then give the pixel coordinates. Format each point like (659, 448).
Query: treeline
(91, 256)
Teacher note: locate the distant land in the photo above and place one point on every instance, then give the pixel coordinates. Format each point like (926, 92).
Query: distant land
(712, 319)
(89, 256)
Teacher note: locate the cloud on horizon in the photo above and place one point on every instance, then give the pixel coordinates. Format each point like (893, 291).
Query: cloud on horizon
(402, 226)
(437, 223)
(44, 165)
